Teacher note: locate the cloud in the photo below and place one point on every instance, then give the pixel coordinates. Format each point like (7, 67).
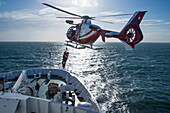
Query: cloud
(112, 12)
(50, 11)
(165, 30)
(32, 25)
(29, 16)
(46, 11)
(151, 22)
(18, 15)
(80, 7)
(75, 3)
(166, 23)
(85, 3)
(2, 3)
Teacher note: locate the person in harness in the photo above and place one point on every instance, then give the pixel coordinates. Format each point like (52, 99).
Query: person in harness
(65, 57)
(37, 87)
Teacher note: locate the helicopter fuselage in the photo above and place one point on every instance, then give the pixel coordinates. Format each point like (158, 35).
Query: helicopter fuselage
(82, 32)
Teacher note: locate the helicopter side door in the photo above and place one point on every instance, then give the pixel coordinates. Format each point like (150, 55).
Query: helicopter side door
(84, 29)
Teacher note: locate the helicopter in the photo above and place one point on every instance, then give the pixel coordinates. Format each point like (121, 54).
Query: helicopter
(84, 34)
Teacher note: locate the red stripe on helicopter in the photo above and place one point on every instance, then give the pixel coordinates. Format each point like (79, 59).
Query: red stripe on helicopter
(91, 39)
(86, 33)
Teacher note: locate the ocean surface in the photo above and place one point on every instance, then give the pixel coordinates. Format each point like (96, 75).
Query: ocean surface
(122, 81)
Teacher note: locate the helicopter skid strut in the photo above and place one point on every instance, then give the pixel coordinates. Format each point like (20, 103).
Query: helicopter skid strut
(80, 46)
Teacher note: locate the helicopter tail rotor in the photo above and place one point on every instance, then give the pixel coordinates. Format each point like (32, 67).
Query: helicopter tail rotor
(131, 34)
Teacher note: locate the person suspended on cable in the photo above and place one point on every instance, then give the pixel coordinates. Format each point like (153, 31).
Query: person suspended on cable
(65, 57)
(37, 87)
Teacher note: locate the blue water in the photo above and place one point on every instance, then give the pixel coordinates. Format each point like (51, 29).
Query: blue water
(121, 81)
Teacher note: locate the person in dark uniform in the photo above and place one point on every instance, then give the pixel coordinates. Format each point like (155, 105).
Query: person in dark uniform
(65, 57)
(37, 87)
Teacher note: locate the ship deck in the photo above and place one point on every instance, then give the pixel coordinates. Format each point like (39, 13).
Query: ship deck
(44, 82)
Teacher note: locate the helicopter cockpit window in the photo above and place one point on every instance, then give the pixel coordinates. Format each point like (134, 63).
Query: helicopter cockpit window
(74, 31)
(71, 31)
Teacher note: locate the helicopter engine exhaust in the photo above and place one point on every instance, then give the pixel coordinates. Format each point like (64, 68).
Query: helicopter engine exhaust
(93, 28)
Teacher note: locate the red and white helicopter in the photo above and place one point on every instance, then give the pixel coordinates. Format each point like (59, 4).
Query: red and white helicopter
(86, 33)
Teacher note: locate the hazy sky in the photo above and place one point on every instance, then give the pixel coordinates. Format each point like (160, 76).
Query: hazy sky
(29, 20)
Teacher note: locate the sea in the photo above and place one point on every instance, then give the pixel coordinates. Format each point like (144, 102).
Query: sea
(121, 81)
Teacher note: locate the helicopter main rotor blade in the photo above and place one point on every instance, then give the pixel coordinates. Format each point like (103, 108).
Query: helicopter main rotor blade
(112, 15)
(70, 17)
(61, 10)
(104, 21)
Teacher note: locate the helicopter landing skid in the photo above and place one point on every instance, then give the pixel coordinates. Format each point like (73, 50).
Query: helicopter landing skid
(79, 46)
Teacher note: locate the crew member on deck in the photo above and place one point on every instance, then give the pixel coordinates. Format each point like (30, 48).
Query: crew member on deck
(65, 57)
(37, 87)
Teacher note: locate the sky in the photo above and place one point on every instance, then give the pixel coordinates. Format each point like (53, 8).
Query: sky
(29, 20)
